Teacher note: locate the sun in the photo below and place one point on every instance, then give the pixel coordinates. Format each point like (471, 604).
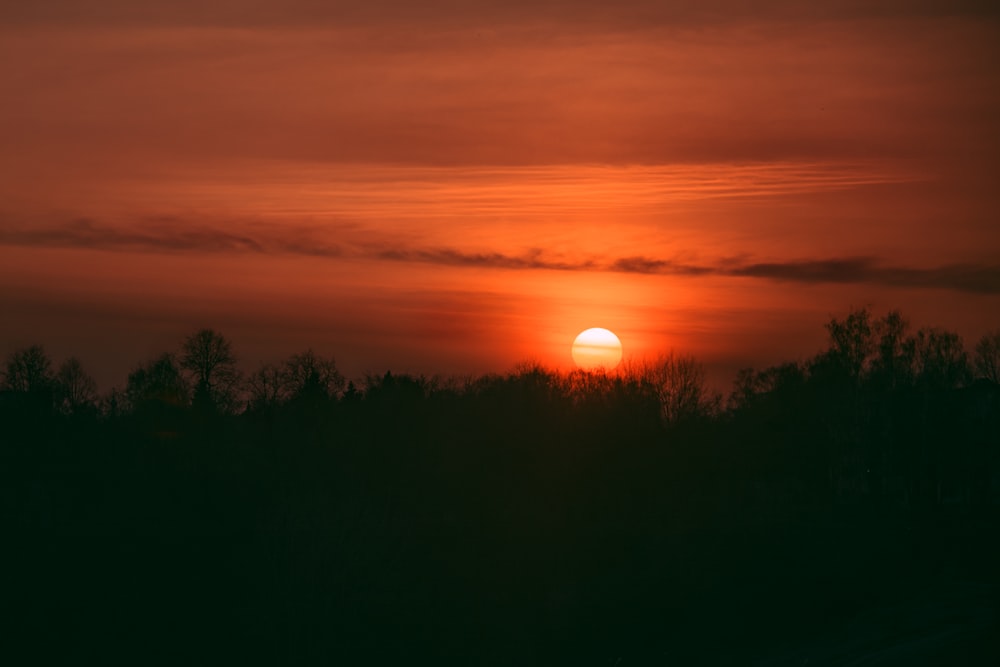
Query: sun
(597, 348)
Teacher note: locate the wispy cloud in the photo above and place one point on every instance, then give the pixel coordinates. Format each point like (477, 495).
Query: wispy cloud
(85, 233)
(389, 13)
(165, 235)
(963, 277)
(162, 235)
(533, 258)
(638, 264)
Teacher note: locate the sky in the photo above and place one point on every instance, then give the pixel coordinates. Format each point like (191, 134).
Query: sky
(457, 187)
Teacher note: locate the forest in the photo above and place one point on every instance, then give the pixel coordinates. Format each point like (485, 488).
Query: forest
(842, 509)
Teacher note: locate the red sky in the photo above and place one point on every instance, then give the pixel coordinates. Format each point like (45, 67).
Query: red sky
(454, 187)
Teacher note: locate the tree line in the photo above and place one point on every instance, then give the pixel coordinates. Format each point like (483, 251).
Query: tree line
(290, 516)
(866, 352)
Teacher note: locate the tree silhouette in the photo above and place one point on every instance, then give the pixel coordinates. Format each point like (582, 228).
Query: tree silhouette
(28, 370)
(942, 362)
(266, 388)
(751, 385)
(75, 390)
(895, 352)
(157, 384)
(352, 394)
(113, 404)
(620, 512)
(303, 378)
(209, 357)
(308, 375)
(988, 356)
(852, 342)
(678, 383)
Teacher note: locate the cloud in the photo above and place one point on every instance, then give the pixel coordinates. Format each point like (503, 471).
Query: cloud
(962, 277)
(625, 13)
(167, 235)
(638, 264)
(161, 234)
(531, 259)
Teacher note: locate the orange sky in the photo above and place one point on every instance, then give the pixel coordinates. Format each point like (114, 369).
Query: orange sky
(455, 187)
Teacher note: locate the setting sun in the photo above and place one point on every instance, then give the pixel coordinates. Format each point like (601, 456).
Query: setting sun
(287, 286)
(597, 348)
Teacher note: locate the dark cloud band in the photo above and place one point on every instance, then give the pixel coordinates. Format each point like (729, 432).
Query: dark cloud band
(167, 236)
(481, 12)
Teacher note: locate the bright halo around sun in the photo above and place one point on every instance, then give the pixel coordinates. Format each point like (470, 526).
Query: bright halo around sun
(597, 348)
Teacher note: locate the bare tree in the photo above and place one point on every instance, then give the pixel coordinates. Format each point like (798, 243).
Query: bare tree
(208, 357)
(750, 384)
(75, 389)
(852, 342)
(988, 356)
(678, 384)
(304, 375)
(895, 354)
(266, 387)
(28, 370)
(112, 404)
(941, 359)
(157, 382)
(308, 374)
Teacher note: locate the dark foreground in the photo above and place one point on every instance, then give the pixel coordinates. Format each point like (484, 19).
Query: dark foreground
(842, 511)
(412, 529)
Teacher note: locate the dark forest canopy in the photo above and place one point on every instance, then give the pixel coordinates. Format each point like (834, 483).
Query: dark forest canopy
(826, 510)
